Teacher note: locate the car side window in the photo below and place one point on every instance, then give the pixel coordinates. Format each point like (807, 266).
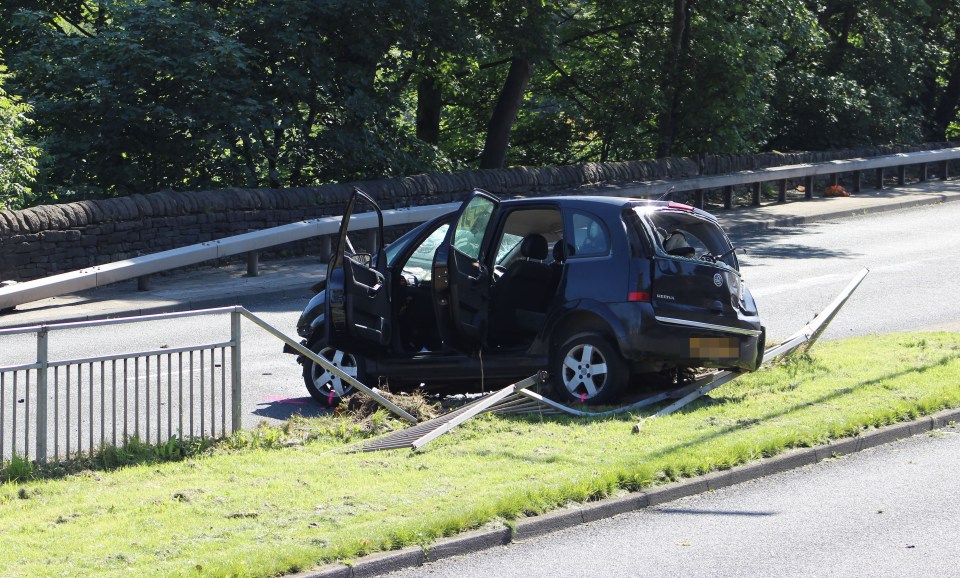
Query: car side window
(590, 236)
(472, 225)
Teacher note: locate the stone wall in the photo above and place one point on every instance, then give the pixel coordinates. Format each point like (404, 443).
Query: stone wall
(51, 239)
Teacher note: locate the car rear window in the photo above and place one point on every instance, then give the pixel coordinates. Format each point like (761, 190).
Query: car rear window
(672, 228)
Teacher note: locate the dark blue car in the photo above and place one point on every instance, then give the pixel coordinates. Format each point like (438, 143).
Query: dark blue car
(600, 291)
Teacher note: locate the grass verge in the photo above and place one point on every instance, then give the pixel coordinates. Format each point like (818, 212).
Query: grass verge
(287, 499)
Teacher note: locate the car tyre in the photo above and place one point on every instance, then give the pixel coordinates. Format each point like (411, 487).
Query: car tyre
(588, 368)
(325, 387)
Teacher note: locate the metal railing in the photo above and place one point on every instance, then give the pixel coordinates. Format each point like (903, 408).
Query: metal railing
(69, 407)
(251, 243)
(66, 407)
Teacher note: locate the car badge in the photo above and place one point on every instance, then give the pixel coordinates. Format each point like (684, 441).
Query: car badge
(718, 280)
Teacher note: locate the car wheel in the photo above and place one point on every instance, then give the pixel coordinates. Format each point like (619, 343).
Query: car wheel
(587, 368)
(325, 387)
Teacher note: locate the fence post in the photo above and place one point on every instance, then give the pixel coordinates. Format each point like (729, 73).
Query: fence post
(326, 248)
(253, 264)
(235, 373)
(808, 181)
(698, 198)
(944, 170)
(879, 178)
(857, 181)
(42, 361)
(756, 193)
(782, 191)
(923, 172)
(902, 175)
(728, 197)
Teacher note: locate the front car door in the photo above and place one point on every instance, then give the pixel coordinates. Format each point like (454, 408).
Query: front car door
(358, 291)
(461, 279)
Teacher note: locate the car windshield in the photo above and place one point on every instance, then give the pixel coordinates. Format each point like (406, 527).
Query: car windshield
(685, 235)
(394, 249)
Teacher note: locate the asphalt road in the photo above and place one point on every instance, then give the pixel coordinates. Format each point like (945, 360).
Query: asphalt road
(888, 511)
(794, 272)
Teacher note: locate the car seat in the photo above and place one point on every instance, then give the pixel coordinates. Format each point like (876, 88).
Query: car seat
(526, 289)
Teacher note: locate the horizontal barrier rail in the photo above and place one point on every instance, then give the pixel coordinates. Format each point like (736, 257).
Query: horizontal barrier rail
(250, 243)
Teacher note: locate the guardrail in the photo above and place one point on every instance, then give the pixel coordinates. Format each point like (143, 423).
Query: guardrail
(66, 407)
(251, 243)
(80, 405)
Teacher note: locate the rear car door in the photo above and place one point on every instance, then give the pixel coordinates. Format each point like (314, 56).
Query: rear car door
(358, 293)
(696, 282)
(461, 278)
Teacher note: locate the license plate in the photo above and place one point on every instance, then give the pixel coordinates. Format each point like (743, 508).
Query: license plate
(714, 347)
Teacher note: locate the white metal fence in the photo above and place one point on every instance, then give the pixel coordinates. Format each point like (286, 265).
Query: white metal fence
(67, 407)
(59, 408)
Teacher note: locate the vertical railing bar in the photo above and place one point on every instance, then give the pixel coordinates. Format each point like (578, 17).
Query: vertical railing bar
(170, 395)
(126, 410)
(26, 418)
(56, 413)
(223, 391)
(79, 409)
(14, 408)
(136, 396)
(42, 359)
(103, 403)
(180, 394)
(235, 371)
(3, 389)
(146, 389)
(213, 392)
(67, 425)
(90, 411)
(159, 403)
(113, 404)
(191, 394)
(203, 375)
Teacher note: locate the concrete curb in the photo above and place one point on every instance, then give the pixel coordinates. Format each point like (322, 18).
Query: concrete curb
(528, 528)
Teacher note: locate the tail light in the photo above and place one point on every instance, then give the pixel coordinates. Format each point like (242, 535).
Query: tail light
(643, 296)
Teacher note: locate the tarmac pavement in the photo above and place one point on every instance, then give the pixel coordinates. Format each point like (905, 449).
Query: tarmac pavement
(204, 287)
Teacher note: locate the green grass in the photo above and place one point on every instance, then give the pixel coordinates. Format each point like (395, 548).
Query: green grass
(281, 500)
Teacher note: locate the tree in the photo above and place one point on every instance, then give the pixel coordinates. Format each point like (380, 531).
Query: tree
(18, 158)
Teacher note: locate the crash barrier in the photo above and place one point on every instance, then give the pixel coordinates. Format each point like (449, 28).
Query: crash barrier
(251, 243)
(518, 398)
(64, 408)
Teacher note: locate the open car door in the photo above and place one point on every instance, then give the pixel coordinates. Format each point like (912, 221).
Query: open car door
(461, 279)
(358, 292)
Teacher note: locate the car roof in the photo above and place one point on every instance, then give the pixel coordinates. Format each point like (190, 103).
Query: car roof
(585, 201)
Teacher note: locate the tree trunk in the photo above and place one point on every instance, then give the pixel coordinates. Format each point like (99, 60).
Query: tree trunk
(429, 105)
(505, 113)
(670, 87)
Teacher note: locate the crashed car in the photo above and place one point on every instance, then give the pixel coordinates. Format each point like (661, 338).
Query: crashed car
(597, 290)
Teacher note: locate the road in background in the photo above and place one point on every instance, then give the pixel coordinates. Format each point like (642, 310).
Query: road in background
(888, 511)
(794, 272)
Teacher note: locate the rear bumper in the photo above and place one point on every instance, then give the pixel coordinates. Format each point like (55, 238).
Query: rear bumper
(678, 342)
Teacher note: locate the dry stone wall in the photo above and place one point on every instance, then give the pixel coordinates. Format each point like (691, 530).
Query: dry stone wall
(51, 239)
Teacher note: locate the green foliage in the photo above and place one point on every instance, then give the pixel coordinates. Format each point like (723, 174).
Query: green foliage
(18, 158)
(134, 96)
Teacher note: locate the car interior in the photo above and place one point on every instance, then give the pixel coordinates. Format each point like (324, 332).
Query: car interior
(528, 265)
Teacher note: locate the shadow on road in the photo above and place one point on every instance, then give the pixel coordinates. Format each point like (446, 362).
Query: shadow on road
(285, 408)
